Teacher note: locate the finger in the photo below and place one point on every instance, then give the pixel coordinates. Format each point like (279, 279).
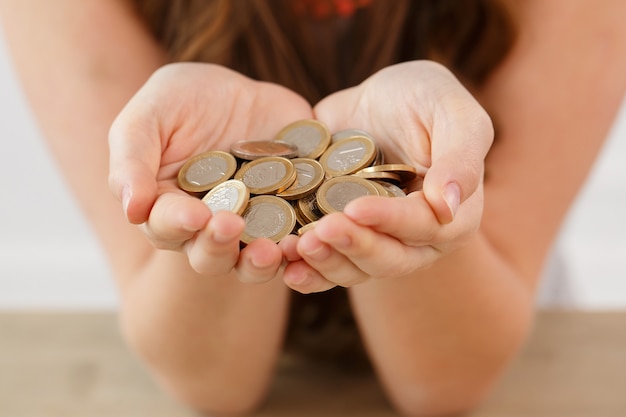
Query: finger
(376, 254)
(289, 246)
(135, 152)
(214, 251)
(299, 276)
(328, 262)
(409, 219)
(461, 137)
(259, 262)
(175, 218)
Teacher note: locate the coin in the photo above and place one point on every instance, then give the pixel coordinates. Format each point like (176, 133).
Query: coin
(309, 176)
(406, 173)
(306, 228)
(206, 170)
(307, 210)
(348, 156)
(349, 133)
(268, 216)
(251, 150)
(379, 175)
(336, 193)
(231, 195)
(268, 175)
(309, 136)
(392, 189)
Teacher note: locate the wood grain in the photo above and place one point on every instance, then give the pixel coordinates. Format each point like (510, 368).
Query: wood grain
(75, 364)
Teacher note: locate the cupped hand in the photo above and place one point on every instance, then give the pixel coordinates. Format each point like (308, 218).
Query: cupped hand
(420, 115)
(183, 110)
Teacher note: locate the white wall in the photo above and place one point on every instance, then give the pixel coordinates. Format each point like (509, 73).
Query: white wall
(49, 257)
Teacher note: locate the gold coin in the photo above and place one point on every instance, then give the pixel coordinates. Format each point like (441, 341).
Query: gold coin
(336, 193)
(309, 136)
(309, 176)
(392, 189)
(306, 228)
(269, 217)
(308, 210)
(348, 156)
(255, 149)
(349, 133)
(378, 175)
(268, 175)
(231, 195)
(206, 170)
(382, 191)
(380, 157)
(406, 173)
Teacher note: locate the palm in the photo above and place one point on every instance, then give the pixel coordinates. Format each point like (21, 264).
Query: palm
(203, 113)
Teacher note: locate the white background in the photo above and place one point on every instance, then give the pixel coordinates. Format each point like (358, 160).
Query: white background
(49, 258)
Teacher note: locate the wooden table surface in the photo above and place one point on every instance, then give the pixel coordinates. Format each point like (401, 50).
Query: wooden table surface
(71, 365)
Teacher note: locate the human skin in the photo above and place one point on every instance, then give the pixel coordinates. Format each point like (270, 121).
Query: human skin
(441, 334)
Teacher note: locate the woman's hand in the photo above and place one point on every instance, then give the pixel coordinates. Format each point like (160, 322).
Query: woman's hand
(183, 110)
(422, 116)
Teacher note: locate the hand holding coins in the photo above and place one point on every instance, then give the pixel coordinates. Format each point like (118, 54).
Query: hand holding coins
(301, 175)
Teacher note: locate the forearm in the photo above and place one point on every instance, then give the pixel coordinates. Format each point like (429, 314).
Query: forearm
(441, 337)
(211, 342)
(80, 62)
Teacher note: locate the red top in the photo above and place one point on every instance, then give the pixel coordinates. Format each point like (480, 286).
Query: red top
(321, 9)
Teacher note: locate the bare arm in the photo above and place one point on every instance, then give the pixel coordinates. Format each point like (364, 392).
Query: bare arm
(443, 330)
(441, 338)
(211, 340)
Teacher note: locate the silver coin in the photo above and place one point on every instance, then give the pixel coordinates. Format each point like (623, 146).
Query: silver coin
(336, 193)
(349, 133)
(232, 195)
(392, 189)
(269, 175)
(309, 136)
(348, 156)
(268, 217)
(206, 170)
(309, 176)
(307, 210)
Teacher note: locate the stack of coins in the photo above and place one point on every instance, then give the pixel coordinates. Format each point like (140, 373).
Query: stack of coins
(299, 176)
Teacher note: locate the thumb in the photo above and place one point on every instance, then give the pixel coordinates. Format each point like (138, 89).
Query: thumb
(457, 167)
(133, 163)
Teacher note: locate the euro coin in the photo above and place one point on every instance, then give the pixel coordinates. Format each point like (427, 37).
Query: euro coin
(379, 175)
(309, 136)
(392, 189)
(334, 194)
(206, 170)
(348, 156)
(307, 209)
(407, 173)
(306, 228)
(309, 176)
(254, 149)
(231, 195)
(268, 175)
(268, 217)
(349, 133)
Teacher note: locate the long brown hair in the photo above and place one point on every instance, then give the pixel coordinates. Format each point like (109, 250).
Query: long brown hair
(315, 56)
(270, 40)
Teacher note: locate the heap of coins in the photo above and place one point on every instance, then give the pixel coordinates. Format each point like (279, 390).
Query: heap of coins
(302, 174)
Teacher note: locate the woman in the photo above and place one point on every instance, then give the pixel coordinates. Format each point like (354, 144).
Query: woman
(441, 283)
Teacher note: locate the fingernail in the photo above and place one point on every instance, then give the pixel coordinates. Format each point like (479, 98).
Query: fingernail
(315, 250)
(221, 237)
(126, 196)
(300, 279)
(452, 195)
